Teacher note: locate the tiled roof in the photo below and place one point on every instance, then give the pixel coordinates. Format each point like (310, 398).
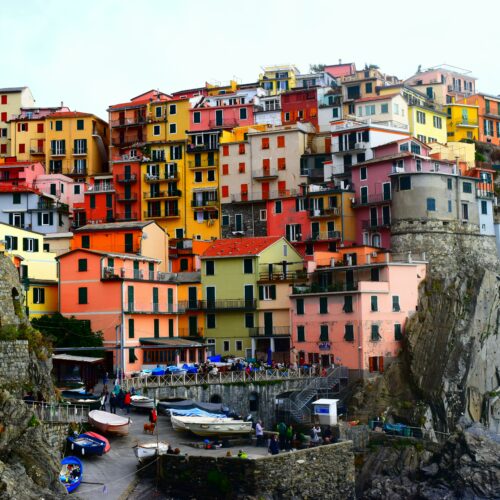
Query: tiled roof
(378, 97)
(69, 114)
(112, 225)
(6, 90)
(130, 104)
(238, 247)
(118, 255)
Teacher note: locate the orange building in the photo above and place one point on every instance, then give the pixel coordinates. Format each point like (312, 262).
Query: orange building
(489, 116)
(129, 300)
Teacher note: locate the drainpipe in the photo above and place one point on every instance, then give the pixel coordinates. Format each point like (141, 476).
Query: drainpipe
(360, 353)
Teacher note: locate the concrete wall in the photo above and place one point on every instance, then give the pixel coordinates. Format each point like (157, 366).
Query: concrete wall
(321, 472)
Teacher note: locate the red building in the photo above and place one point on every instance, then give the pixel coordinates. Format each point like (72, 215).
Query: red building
(127, 185)
(300, 105)
(99, 202)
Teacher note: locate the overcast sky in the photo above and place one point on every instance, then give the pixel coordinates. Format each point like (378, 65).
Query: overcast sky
(92, 53)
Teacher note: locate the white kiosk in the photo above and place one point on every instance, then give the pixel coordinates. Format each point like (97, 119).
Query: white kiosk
(326, 411)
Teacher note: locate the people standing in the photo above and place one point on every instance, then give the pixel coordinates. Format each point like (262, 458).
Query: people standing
(274, 448)
(259, 433)
(152, 416)
(289, 438)
(104, 399)
(127, 400)
(316, 435)
(112, 402)
(281, 428)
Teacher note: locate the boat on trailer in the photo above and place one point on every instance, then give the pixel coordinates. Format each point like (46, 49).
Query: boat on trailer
(109, 422)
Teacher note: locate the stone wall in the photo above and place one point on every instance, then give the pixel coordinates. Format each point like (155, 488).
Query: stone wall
(252, 224)
(55, 435)
(236, 396)
(325, 472)
(11, 294)
(14, 363)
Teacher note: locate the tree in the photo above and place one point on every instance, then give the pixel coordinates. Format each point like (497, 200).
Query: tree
(68, 332)
(317, 68)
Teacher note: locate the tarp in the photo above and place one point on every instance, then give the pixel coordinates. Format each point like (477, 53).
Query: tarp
(189, 404)
(196, 412)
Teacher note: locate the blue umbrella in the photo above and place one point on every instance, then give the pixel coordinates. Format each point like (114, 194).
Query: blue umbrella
(269, 357)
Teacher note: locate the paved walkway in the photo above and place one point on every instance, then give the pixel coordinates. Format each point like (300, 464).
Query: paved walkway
(116, 469)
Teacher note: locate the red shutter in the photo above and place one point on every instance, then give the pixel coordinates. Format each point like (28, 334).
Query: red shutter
(225, 150)
(4, 99)
(381, 364)
(242, 149)
(244, 192)
(21, 148)
(265, 190)
(225, 191)
(241, 168)
(39, 128)
(3, 117)
(281, 188)
(328, 145)
(3, 148)
(281, 163)
(281, 141)
(265, 143)
(18, 125)
(225, 169)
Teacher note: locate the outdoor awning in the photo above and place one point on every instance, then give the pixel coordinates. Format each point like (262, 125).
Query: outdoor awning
(171, 342)
(76, 359)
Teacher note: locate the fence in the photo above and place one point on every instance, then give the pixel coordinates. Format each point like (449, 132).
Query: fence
(55, 412)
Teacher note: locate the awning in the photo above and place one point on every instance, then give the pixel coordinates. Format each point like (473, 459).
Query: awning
(171, 342)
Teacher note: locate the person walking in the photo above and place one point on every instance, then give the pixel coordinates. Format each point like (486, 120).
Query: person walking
(259, 433)
(281, 428)
(127, 400)
(316, 435)
(274, 448)
(104, 399)
(152, 416)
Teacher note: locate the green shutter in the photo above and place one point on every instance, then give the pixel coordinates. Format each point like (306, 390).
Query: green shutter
(398, 334)
(155, 299)
(348, 304)
(374, 303)
(323, 305)
(170, 300)
(82, 295)
(300, 306)
(349, 333)
(323, 336)
(395, 303)
(130, 298)
(261, 292)
(210, 320)
(170, 327)
(14, 243)
(85, 241)
(36, 246)
(375, 334)
(51, 218)
(131, 328)
(272, 290)
(131, 356)
(156, 326)
(39, 217)
(129, 243)
(82, 265)
(25, 244)
(301, 337)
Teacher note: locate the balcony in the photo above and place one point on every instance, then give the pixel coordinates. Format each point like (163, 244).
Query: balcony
(188, 332)
(288, 276)
(126, 197)
(229, 305)
(317, 288)
(204, 203)
(99, 188)
(267, 173)
(228, 123)
(80, 151)
(128, 122)
(352, 147)
(375, 225)
(373, 199)
(126, 179)
(58, 152)
(314, 173)
(37, 151)
(150, 308)
(272, 195)
(328, 235)
(127, 140)
(197, 148)
(174, 193)
(317, 213)
(274, 331)
(161, 214)
(201, 164)
(77, 172)
(125, 216)
(50, 205)
(166, 176)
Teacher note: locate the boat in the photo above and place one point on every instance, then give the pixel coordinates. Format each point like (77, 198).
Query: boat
(188, 404)
(71, 473)
(145, 450)
(205, 426)
(109, 422)
(142, 402)
(82, 398)
(86, 445)
(107, 446)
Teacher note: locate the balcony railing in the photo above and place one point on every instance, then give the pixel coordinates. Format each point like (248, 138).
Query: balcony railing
(124, 122)
(37, 151)
(126, 197)
(266, 173)
(127, 140)
(288, 276)
(271, 195)
(375, 224)
(99, 188)
(174, 193)
(165, 176)
(161, 214)
(372, 199)
(122, 216)
(328, 235)
(80, 151)
(316, 288)
(193, 148)
(188, 332)
(190, 305)
(201, 164)
(50, 205)
(126, 179)
(77, 171)
(229, 305)
(274, 331)
(58, 152)
(150, 308)
(229, 123)
(324, 212)
(204, 203)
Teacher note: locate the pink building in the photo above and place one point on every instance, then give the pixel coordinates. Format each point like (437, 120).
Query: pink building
(219, 115)
(64, 188)
(20, 172)
(139, 316)
(354, 312)
(373, 189)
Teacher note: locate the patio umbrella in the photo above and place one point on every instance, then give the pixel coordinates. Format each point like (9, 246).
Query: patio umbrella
(269, 357)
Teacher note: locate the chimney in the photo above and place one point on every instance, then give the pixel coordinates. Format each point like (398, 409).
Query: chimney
(340, 61)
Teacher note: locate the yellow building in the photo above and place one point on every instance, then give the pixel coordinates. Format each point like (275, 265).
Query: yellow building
(12, 99)
(277, 79)
(163, 197)
(462, 121)
(464, 152)
(191, 322)
(37, 268)
(427, 124)
(76, 144)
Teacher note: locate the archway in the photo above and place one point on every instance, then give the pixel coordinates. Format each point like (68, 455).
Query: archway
(215, 398)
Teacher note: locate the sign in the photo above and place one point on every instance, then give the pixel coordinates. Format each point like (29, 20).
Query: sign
(324, 346)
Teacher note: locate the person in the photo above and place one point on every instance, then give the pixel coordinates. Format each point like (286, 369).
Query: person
(121, 399)
(281, 428)
(112, 402)
(259, 433)
(127, 399)
(152, 416)
(274, 448)
(242, 454)
(327, 435)
(316, 435)
(104, 399)
(289, 438)
(105, 378)
(170, 450)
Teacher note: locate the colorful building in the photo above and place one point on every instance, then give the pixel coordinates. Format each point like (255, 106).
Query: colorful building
(489, 116)
(98, 202)
(300, 105)
(278, 79)
(462, 121)
(354, 310)
(245, 295)
(12, 99)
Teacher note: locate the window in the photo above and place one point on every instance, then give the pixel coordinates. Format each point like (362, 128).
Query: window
(238, 344)
(323, 305)
(4, 101)
(395, 303)
(449, 206)
(243, 113)
(384, 108)
(238, 222)
(265, 143)
(172, 109)
(465, 211)
(210, 320)
(467, 187)
(225, 346)
(374, 303)
(437, 121)
(172, 128)
(11, 242)
(211, 175)
(156, 130)
(398, 334)
(300, 307)
(82, 265)
(225, 191)
(375, 336)
(198, 177)
(280, 141)
(370, 109)
(30, 245)
(131, 328)
(281, 163)
(263, 215)
(249, 320)
(267, 292)
(349, 333)
(80, 124)
(347, 304)
(16, 198)
(82, 295)
(85, 241)
(22, 148)
(197, 117)
(323, 333)
(156, 328)
(484, 207)
(405, 183)
(59, 125)
(129, 243)
(431, 205)
(369, 87)
(277, 207)
(225, 218)
(421, 117)
(301, 336)
(241, 167)
(210, 267)
(176, 152)
(248, 266)
(364, 195)
(293, 232)
(363, 173)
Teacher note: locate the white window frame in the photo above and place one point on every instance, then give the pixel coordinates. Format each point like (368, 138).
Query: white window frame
(176, 153)
(266, 292)
(287, 116)
(263, 215)
(16, 220)
(31, 245)
(158, 112)
(36, 296)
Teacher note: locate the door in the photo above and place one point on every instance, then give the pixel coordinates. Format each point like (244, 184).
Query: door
(387, 190)
(193, 326)
(128, 193)
(192, 297)
(170, 300)
(155, 299)
(210, 291)
(265, 190)
(315, 230)
(128, 212)
(373, 217)
(136, 270)
(248, 296)
(268, 324)
(349, 279)
(130, 298)
(126, 171)
(330, 227)
(219, 117)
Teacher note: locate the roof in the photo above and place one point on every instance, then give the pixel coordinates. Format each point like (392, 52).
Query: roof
(69, 114)
(55, 236)
(325, 401)
(377, 98)
(131, 104)
(184, 277)
(21, 229)
(337, 70)
(118, 255)
(7, 90)
(172, 342)
(239, 247)
(76, 359)
(111, 226)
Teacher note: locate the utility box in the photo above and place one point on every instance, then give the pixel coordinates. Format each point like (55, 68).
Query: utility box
(325, 410)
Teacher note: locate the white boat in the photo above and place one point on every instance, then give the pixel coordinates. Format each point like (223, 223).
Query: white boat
(109, 422)
(145, 450)
(205, 426)
(142, 402)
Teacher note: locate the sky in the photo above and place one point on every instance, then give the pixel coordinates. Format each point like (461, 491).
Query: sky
(93, 53)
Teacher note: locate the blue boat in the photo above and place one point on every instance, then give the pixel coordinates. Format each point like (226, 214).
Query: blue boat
(86, 445)
(71, 473)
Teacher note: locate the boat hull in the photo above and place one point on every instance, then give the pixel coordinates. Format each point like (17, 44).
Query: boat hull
(86, 445)
(107, 446)
(65, 477)
(109, 423)
(207, 430)
(146, 450)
